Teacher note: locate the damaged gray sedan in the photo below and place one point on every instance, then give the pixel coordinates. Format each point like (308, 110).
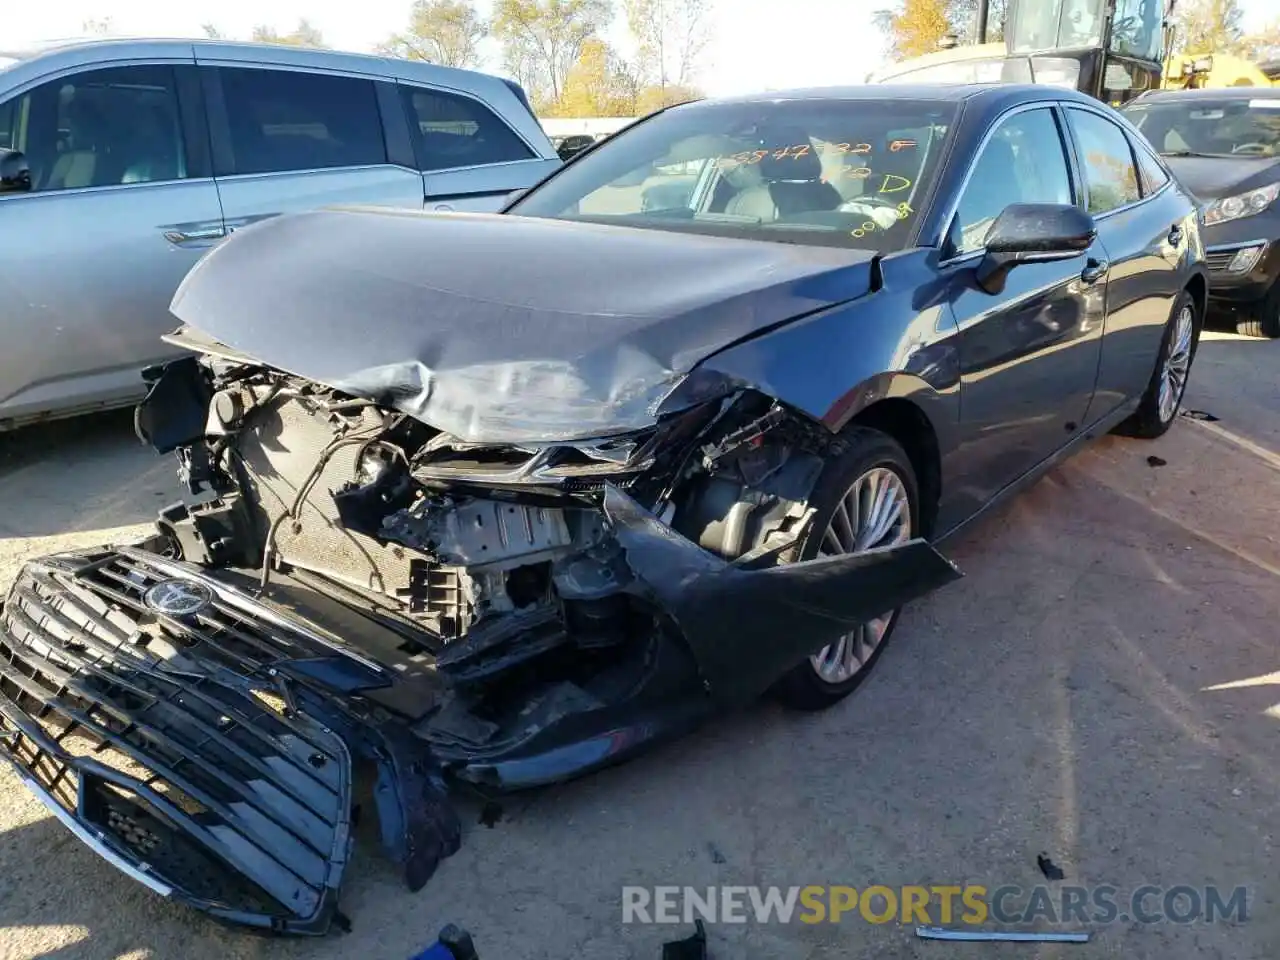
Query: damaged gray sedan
(497, 500)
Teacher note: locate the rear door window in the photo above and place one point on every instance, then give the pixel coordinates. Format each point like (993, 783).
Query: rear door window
(1109, 170)
(283, 120)
(458, 131)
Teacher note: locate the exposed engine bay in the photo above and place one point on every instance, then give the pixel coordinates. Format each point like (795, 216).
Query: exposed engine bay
(344, 582)
(449, 540)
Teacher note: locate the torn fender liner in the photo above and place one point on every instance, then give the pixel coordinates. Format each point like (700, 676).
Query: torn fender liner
(189, 753)
(747, 627)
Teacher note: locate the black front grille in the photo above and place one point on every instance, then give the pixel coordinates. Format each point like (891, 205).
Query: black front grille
(169, 741)
(1219, 260)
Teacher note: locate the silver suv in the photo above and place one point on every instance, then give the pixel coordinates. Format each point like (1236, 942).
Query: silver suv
(122, 161)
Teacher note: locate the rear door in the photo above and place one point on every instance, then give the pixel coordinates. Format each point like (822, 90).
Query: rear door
(1140, 224)
(1029, 355)
(471, 158)
(122, 206)
(288, 139)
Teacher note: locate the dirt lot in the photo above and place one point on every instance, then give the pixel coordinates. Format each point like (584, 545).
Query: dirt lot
(1102, 687)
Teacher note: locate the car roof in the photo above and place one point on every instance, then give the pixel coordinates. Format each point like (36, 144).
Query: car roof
(73, 51)
(984, 93)
(1212, 93)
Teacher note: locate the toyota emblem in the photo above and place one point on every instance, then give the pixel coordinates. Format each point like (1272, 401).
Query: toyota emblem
(178, 598)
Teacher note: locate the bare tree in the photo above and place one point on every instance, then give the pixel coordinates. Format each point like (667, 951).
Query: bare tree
(671, 37)
(304, 35)
(447, 32)
(211, 32)
(542, 40)
(99, 27)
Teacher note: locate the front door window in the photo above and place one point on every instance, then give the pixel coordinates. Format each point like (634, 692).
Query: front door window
(98, 129)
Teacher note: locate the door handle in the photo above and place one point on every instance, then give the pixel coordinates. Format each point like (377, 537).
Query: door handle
(1094, 270)
(181, 238)
(1175, 235)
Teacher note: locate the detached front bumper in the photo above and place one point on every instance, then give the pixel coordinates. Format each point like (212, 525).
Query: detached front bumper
(164, 744)
(208, 752)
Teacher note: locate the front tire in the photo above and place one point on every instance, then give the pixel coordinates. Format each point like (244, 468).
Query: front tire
(867, 497)
(1265, 322)
(1159, 405)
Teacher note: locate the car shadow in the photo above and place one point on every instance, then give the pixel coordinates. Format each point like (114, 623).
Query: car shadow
(79, 476)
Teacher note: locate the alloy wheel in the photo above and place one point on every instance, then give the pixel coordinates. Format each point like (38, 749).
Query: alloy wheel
(875, 512)
(1177, 365)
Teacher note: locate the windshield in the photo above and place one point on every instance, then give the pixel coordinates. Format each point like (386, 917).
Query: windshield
(1056, 25)
(1137, 28)
(984, 70)
(1212, 128)
(830, 172)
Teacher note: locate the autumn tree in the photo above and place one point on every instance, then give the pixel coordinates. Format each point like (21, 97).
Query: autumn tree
(1207, 25)
(447, 32)
(1263, 45)
(671, 38)
(915, 27)
(600, 84)
(542, 40)
(304, 35)
(652, 98)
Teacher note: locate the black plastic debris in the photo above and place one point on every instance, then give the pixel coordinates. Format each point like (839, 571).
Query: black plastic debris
(690, 948)
(1154, 461)
(1200, 415)
(452, 943)
(1050, 869)
(491, 814)
(716, 855)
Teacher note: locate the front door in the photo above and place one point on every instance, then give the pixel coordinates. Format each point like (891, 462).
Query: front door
(120, 209)
(1029, 355)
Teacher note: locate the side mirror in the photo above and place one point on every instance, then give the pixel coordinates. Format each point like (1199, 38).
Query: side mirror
(570, 147)
(15, 172)
(1033, 233)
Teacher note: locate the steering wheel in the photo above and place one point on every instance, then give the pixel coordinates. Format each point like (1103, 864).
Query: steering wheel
(1252, 148)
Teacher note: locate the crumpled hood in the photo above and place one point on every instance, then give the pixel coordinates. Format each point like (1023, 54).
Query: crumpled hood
(499, 328)
(1211, 178)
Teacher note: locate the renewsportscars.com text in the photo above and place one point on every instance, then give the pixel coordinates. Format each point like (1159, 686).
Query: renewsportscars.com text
(970, 904)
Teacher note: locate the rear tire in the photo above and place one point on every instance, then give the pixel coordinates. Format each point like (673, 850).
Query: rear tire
(1265, 322)
(1163, 396)
(872, 469)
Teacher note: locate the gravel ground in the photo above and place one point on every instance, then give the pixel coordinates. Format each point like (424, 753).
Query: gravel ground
(1102, 687)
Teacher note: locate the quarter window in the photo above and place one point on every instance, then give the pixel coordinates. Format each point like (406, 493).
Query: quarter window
(284, 120)
(7, 111)
(1150, 171)
(1023, 162)
(1109, 172)
(456, 131)
(99, 128)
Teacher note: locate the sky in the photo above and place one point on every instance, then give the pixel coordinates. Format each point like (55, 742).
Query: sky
(757, 44)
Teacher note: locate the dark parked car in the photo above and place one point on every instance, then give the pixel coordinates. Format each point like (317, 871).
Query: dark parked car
(505, 526)
(1224, 146)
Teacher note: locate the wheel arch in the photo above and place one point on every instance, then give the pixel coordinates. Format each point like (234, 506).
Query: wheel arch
(910, 426)
(1198, 286)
